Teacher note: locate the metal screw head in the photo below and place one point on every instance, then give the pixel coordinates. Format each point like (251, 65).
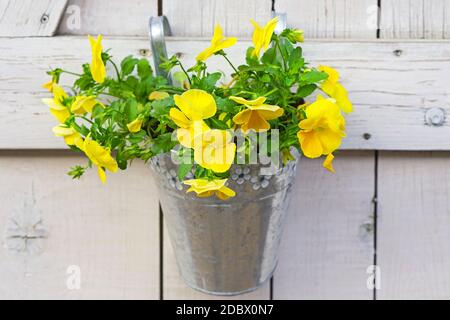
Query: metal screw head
(45, 18)
(435, 117)
(398, 52)
(367, 136)
(144, 52)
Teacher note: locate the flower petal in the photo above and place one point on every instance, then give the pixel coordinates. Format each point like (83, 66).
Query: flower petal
(310, 144)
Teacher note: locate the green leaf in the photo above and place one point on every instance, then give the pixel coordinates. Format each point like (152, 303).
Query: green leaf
(184, 169)
(209, 82)
(163, 143)
(270, 56)
(217, 124)
(131, 109)
(162, 107)
(128, 65)
(305, 91)
(144, 69)
(313, 76)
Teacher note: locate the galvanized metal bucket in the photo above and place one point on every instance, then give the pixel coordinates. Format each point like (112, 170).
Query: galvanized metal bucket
(226, 247)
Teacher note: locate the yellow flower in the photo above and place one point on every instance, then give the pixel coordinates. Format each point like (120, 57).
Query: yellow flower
(256, 115)
(298, 35)
(83, 104)
(71, 136)
(158, 95)
(262, 36)
(214, 150)
(195, 105)
(323, 129)
(57, 108)
(218, 42)
(335, 90)
(48, 85)
(135, 126)
(207, 188)
(97, 66)
(328, 163)
(99, 156)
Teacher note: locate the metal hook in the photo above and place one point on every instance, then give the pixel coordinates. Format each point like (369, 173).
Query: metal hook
(158, 28)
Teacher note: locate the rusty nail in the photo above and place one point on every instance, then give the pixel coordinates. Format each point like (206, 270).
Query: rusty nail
(367, 136)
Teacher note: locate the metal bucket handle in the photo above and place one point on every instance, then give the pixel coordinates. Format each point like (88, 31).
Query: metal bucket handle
(159, 28)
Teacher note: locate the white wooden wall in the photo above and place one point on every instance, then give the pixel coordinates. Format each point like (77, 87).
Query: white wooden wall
(388, 203)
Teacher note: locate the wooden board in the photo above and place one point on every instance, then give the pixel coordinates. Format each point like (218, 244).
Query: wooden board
(391, 89)
(415, 19)
(354, 19)
(198, 17)
(110, 232)
(326, 248)
(108, 17)
(23, 18)
(413, 225)
(174, 287)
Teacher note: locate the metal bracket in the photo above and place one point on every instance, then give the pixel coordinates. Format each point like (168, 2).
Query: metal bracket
(159, 28)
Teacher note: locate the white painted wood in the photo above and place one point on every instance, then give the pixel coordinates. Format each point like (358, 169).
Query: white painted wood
(332, 18)
(198, 17)
(326, 248)
(415, 19)
(110, 231)
(391, 93)
(176, 289)
(23, 18)
(413, 225)
(108, 17)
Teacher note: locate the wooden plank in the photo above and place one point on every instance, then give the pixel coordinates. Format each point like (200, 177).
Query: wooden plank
(415, 19)
(176, 289)
(392, 83)
(326, 248)
(413, 222)
(23, 18)
(108, 17)
(198, 17)
(332, 18)
(110, 232)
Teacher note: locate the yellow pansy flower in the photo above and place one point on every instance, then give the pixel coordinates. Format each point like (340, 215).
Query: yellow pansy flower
(328, 163)
(57, 108)
(218, 42)
(322, 131)
(83, 104)
(48, 85)
(214, 150)
(158, 95)
(262, 36)
(207, 188)
(99, 156)
(335, 90)
(256, 115)
(71, 136)
(194, 106)
(135, 126)
(98, 69)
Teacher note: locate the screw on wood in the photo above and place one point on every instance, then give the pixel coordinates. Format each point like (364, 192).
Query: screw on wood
(144, 52)
(367, 136)
(398, 52)
(179, 54)
(44, 18)
(435, 117)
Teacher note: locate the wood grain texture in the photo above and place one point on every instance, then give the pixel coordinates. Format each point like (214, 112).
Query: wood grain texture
(354, 19)
(391, 92)
(415, 19)
(176, 289)
(23, 18)
(110, 231)
(413, 223)
(108, 17)
(198, 17)
(326, 248)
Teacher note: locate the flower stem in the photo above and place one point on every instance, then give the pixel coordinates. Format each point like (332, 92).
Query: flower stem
(185, 72)
(117, 70)
(229, 62)
(71, 73)
(281, 52)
